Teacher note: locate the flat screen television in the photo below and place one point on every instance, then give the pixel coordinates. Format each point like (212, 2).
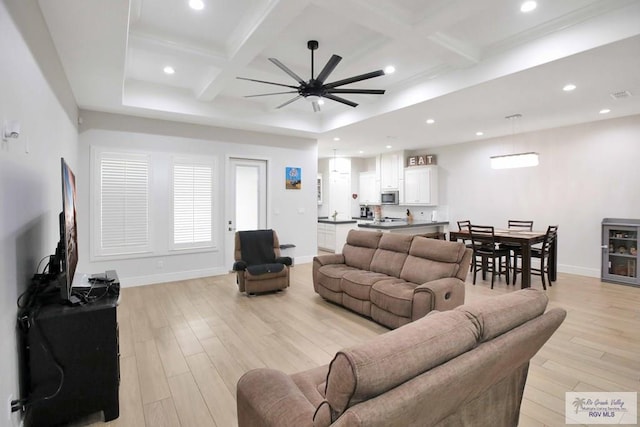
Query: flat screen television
(66, 257)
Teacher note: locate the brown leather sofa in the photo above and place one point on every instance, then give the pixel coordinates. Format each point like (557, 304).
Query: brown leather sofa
(393, 278)
(462, 367)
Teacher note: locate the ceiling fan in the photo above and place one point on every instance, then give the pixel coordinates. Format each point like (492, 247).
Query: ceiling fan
(315, 89)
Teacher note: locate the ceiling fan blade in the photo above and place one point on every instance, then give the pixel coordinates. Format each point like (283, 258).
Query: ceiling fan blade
(273, 93)
(354, 79)
(364, 91)
(269, 83)
(339, 99)
(289, 101)
(316, 107)
(287, 70)
(328, 69)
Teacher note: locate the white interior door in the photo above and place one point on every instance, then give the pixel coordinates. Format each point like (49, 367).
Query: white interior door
(245, 199)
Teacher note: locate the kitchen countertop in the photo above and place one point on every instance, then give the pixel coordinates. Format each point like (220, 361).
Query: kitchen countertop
(340, 221)
(392, 225)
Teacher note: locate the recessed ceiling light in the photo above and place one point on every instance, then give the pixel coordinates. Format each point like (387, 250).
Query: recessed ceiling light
(430, 121)
(479, 133)
(569, 87)
(361, 152)
(196, 4)
(389, 146)
(169, 70)
(389, 69)
(528, 6)
(605, 111)
(336, 139)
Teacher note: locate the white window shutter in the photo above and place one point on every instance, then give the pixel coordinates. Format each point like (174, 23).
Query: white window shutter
(192, 204)
(124, 204)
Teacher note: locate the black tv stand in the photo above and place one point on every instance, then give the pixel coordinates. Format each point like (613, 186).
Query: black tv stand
(74, 349)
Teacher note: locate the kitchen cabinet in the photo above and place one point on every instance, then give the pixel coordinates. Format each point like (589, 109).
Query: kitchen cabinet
(391, 166)
(369, 189)
(421, 186)
(332, 235)
(620, 251)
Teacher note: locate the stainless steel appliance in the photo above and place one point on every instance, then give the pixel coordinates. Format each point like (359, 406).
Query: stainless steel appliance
(365, 212)
(389, 198)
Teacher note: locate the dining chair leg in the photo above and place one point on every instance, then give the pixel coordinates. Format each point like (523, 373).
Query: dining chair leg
(515, 268)
(493, 270)
(475, 268)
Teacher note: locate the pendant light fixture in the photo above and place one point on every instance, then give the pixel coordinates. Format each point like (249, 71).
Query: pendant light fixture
(518, 160)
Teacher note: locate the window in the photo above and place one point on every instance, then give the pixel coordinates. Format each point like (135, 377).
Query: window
(122, 224)
(193, 185)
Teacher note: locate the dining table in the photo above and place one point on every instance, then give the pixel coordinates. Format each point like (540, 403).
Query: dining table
(526, 239)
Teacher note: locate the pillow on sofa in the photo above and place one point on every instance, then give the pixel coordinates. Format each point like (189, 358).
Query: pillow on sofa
(367, 370)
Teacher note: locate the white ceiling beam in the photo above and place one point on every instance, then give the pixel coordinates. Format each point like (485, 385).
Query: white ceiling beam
(265, 31)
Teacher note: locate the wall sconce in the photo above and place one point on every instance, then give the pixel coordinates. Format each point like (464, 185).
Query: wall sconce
(520, 160)
(11, 129)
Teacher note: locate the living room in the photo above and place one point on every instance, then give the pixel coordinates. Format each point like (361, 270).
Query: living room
(587, 172)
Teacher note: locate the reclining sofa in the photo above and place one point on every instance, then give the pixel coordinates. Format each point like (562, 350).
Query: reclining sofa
(391, 278)
(463, 367)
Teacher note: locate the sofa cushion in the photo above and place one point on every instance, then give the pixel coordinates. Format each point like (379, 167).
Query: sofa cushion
(506, 312)
(391, 254)
(437, 250)
(394, 296)
(357, 283)
(330, 275)
(367, 370)
(419, 270)
(360, 247)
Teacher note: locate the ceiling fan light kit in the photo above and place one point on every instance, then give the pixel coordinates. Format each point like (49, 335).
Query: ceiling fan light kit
(316, 89)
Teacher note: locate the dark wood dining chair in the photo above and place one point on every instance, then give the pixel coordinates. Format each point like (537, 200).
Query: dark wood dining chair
(464, 226)
(485, 249)
(542, 253)
(515, 249)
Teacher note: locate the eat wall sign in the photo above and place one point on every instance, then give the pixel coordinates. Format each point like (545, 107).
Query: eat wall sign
(422, 160)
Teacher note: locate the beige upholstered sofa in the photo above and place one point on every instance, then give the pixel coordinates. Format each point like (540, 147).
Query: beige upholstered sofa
(462, 367)
(393, 278)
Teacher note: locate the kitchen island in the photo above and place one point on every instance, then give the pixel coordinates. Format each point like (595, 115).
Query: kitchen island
(405, 227)
(332, 235)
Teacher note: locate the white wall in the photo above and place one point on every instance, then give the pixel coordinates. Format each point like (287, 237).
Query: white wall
(292, 213)
(34, 91)
(586, 173)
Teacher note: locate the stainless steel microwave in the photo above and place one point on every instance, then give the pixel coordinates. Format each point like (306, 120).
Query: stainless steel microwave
(389, 198)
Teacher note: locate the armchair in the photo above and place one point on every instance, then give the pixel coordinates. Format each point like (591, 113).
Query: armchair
(259, 266)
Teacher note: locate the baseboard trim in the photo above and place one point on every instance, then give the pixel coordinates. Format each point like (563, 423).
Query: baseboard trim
(131, 281)
(580, 271)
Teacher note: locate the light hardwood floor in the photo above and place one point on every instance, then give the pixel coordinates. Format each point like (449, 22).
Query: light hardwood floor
(185, 344)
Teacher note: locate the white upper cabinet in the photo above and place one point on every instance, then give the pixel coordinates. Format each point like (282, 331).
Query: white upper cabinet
(391, 167)
(421, 186)
(369, 188)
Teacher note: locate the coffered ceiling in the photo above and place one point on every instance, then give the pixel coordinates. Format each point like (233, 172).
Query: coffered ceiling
(464, 63)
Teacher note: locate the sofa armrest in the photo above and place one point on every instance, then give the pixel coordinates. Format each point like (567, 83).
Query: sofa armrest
(267, 397)
(442, 294)
(239, 266)
(329, 259)
(286, 260)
